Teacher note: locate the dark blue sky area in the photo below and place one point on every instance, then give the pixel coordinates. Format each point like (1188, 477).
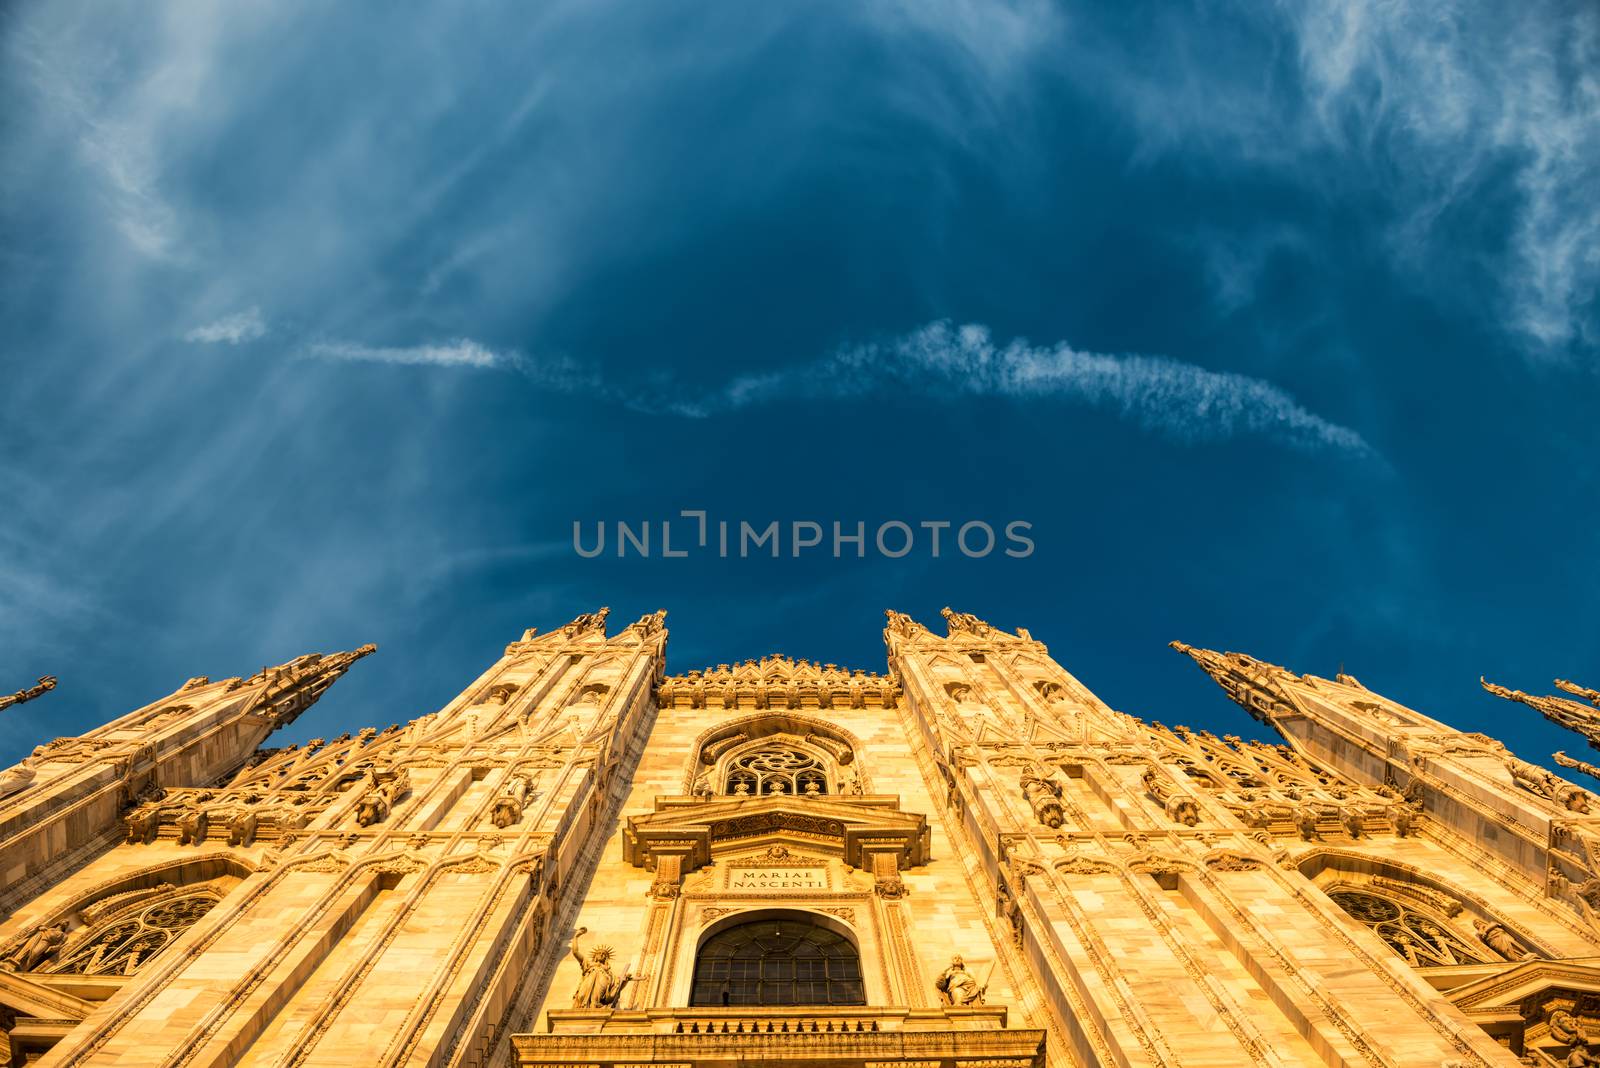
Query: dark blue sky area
(322, 325)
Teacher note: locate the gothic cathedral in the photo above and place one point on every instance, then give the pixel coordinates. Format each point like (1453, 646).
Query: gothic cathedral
(968, 861)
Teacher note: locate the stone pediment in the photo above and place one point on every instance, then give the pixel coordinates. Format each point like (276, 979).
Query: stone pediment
(1541, 1001)
(700, 829)
(1512, 984)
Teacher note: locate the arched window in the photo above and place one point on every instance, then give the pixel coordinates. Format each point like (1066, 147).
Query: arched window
(780, 961)
(1423, 941)
(123, 941)
(777, 769)
(776, 753)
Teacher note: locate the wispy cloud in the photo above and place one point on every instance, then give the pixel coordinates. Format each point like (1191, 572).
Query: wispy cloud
(461, 352)
(1178, 400)
(1175, 399)
(1458, 110)
(1434, 108)
(558, 373)
(233, 329)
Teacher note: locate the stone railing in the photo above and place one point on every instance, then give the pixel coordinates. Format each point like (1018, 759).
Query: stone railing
(818, 1036)
(754, 1020)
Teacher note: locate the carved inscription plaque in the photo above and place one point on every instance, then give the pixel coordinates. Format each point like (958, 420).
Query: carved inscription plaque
(767, 878)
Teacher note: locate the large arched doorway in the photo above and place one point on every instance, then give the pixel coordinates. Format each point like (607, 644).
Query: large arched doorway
(781, 959)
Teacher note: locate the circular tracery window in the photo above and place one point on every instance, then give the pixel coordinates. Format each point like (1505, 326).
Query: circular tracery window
(125, 942)
(1424, 942)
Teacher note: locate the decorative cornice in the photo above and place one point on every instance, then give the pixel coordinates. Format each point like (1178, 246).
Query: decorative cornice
(698, 829)
(778, 682)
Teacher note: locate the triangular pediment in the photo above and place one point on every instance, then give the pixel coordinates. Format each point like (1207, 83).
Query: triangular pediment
(1512, 984)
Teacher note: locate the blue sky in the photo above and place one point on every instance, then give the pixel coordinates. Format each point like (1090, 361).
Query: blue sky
(322, 324)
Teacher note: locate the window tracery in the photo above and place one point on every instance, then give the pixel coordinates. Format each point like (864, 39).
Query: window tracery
(121, 943)
(1422, 940)
(776, 754)
(776, 768)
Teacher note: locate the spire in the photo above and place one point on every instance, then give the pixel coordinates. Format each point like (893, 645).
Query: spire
(965, 623)
(1576, 765)
(45, 684)
(588, 623)
(1249, 681)
(1592, 696)
(649, 624)
(291, 688)
(1558, 710)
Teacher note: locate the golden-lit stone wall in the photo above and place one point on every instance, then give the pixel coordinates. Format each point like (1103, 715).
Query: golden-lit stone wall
(1375, 890)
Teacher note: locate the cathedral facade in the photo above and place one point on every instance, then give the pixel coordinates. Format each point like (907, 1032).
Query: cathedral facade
(966, 861)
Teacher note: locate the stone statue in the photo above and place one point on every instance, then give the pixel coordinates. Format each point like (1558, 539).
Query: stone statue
(965, 622)
(35, 949)
(1045, 797)
(1580, 1057)
(18, 776)
(599, 988)
(1565, 1027)
(586, 622)
(1497, 938)
(957, 986)
(507, 808)
(374, 805)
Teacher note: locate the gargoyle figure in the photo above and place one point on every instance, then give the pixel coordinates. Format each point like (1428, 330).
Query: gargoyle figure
(1305, 821)
(143, 823)
(1184, 810)
(242, 830)
(193, 824)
